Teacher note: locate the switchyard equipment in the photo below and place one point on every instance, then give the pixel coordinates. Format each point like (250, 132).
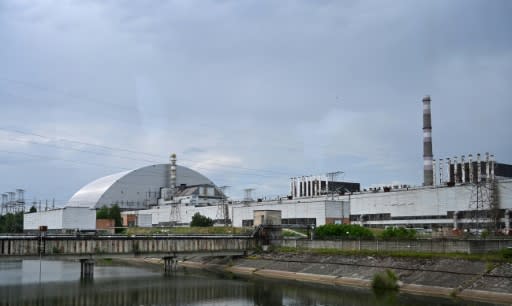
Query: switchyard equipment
(13, 202)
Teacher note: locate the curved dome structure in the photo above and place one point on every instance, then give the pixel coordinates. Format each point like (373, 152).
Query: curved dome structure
(134, 189)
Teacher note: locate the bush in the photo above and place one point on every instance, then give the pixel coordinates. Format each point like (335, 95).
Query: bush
(385, 280)
(398, 233)
(200, 220)
(342, 231)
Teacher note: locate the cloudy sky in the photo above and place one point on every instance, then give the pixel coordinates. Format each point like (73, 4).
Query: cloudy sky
(249, 93)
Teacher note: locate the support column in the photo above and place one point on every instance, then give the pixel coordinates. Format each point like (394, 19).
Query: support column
(478, 168)
(492, 166)
(86, 268)
(455, 170)
(463, 169)
(487, 168)
(170, 264)
(471, 178)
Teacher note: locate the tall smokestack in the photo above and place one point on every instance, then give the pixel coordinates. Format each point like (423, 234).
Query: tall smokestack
(428, 169)
(172, 176)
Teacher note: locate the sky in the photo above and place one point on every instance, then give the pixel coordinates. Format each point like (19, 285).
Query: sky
(249, 93)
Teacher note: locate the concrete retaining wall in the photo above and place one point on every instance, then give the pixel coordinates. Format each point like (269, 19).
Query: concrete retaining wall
(29, 246)
(433, 246)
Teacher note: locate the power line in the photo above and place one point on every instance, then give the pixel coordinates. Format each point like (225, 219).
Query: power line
(61, 159)
(65, 93)
(127, 150)
(156, 114)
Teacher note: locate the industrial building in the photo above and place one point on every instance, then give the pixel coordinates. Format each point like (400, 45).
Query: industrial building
(61, 220)
(456, 194)
(313, 211)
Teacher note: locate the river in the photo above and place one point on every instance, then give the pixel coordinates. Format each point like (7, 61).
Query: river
(21, 283)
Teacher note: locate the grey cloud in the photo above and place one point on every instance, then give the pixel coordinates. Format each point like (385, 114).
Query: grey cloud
(292, 86)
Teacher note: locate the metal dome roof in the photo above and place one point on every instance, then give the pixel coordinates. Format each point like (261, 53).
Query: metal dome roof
(130, 189)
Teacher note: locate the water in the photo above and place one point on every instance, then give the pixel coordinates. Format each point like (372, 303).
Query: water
(119, 285)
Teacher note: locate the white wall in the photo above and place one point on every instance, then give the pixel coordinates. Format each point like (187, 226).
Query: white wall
(64, 218)
(422, 201)
(50, 218)
(79, 218)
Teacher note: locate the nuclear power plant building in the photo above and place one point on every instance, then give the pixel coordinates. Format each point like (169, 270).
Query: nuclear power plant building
(458, 192)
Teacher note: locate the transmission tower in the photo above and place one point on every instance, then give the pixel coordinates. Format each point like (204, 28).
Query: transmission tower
(222, 207)
(484, 202)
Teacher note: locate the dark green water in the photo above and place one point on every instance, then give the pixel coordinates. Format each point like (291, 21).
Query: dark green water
(113, 285)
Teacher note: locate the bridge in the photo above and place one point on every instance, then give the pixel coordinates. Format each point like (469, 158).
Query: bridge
(168, 247)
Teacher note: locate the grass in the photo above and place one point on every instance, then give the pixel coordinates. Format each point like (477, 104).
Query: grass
(211, 230)
(489, 257)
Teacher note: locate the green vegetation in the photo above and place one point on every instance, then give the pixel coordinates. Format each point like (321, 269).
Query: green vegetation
(11, 223)
(342, 231)
(200, 220)
(400, 233)
(33, 209)
(504, 255)
(385, 280)
(113, 212)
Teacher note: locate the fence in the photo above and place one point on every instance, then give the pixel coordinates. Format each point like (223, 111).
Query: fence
(432, 246)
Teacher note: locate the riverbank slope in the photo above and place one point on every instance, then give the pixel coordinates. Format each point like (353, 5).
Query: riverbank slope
(466, 279)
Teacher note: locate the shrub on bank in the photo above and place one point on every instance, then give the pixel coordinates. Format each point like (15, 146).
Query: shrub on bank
(200, 220)
(342, 231)
(398, 233)
(385, 280)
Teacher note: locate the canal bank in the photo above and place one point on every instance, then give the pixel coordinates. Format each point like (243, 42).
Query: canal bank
(442, 277)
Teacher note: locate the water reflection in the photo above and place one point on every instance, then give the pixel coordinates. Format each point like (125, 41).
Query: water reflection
(135, 286)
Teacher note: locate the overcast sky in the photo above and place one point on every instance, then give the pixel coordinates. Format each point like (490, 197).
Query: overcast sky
(250, 93)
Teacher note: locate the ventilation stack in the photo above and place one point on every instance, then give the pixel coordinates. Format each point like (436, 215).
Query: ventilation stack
(172, 177)
(428, 169)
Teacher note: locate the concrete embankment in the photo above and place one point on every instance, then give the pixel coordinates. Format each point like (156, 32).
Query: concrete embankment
(471, 280)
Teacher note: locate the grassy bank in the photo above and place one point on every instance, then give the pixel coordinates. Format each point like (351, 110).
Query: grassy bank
(503, 256)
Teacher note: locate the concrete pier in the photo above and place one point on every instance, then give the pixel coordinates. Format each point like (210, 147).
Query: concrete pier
(170, 264)
(86, 268)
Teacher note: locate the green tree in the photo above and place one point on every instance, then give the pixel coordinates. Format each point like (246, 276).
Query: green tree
(103, 213)
(33, 209)
(11, 223)
(200, 220)
(115, 213)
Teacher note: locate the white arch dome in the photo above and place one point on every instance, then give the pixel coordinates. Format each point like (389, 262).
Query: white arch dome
(132, 189)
